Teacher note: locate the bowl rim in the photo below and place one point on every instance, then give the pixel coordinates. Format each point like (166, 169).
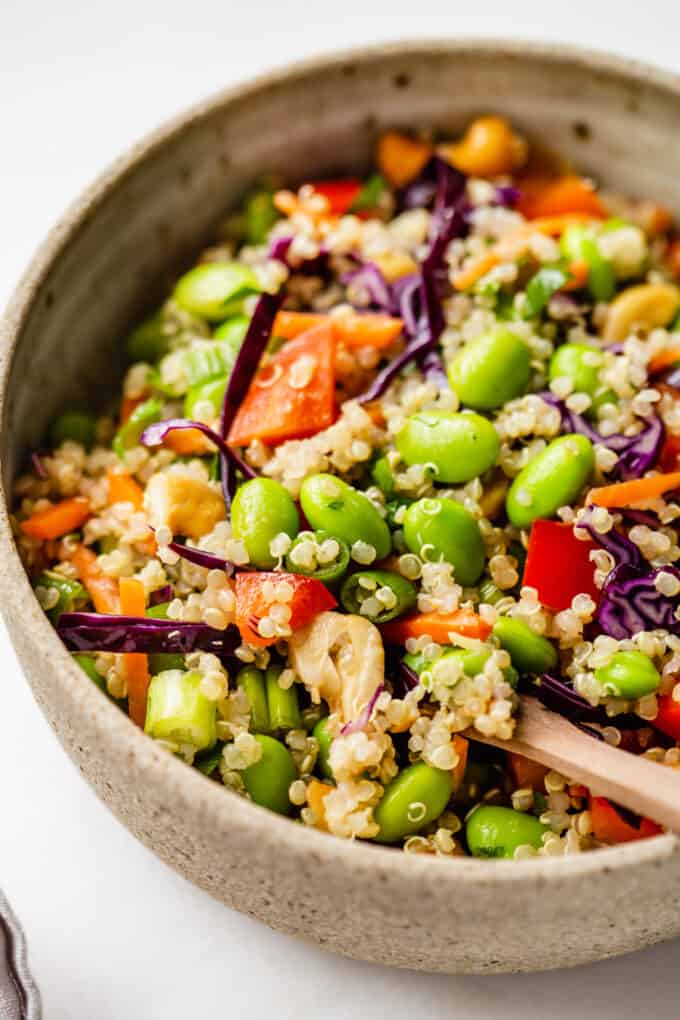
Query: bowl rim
(113, 726)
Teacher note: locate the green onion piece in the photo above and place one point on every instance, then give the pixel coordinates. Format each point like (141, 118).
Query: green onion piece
(216, 290)
(72, 595)
(382, 475)
(128, 434)
(251, 680)
(86, 663)
(148, 342)
(211, 392)
(577, 243)
(206, 362)
(77, 426)
(159, 662)
(284, 711)
(231, 333)
(370, 194)
(178, 711)
(260, 216)
(328, 571)
(490, 593)
(541, 288)
(207, 761)
(379, 595)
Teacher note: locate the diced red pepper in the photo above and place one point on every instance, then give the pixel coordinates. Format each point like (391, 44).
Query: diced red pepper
(293, 394)
(558, 565)
(310, 597)
(341, 194)
(612, 824)
(668, 716)
(669, 458)
(527, 773)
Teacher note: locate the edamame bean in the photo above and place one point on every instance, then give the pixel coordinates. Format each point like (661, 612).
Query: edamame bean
(284, 710)
(629, 675)
(472, 662)
(211, 392)
(461, 446)
(331, 505)
(383, 476)
(267, 780)
(320, 555)
(379, 595)
(232, 333)
(260, 510)
(215, 290)
(498, 831)
(441, 529)
(582, 364)
(324, 739)
(251, 680)
(552, 479)
(413, 799)
(491, 369)
(77, 426)
(529, 652)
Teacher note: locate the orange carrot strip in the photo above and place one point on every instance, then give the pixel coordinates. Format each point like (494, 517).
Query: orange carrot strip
(526, 772)
(568, 194)
(637, 491)
(102, 590)
(578, 272)
(124, 489)
(316, 793)
(135, 664)
(437, 626)
(663, 359)
(673, 258)
(188, 442)
(128, 405)
(57, 520)
(352, 329)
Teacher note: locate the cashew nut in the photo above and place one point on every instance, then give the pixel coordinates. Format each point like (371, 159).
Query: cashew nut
(649, 305)
(339, 658)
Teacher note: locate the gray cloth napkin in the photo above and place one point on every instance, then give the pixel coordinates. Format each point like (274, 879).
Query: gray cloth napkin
(19, 999)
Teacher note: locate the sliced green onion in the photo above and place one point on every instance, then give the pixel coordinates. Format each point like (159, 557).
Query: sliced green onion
(148, 342)
(178, 711)
(541, 288)
(128, 434)
(216, 290)
(370, 194)
(260, 216)
(251, 680)
(77, 426)
(284, 710)
(86, 663)
(72, 595)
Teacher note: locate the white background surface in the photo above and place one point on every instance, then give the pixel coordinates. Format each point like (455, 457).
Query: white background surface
(113, 934)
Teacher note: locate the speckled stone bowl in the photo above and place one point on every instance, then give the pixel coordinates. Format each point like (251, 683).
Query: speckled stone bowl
(108, 261)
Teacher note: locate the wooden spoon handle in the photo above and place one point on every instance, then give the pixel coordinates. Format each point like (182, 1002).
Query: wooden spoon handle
(636, 783)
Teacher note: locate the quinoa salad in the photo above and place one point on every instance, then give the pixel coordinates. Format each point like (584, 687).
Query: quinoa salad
(395, 452)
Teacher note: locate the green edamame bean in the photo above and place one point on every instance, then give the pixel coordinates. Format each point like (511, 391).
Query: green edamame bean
(284, 710)
(260, 510)
(86, 663)
(491, 369)
(379, 595)
(461, 446)
(320, 555)
(324, 739)
(71, 593)
(148, 342)
(251, 680)
(413, 799)
(472, 661)
(498, 831)
(489, 593)
(581, 364)
(232, 333)
(552, 479)
(629, 675)
(211, 392)
(441, 529)
(331, 505)
(267, 780)
(529, 652)
(77, 426)
(215, 290)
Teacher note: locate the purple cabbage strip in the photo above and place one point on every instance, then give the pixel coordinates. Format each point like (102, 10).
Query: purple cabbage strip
(279, 247)
(362, 721)
(507, 195)
(560, 697)
(617, 545)
(370, 279)
(637, 454)
(671, 377)
(95, 632)
(160, 595)
(38, 466)
(424, 327)
(249, 356)
(409, 676)
(202, 558)
(631, 603)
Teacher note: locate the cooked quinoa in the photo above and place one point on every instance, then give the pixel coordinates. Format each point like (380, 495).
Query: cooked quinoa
(393, 452)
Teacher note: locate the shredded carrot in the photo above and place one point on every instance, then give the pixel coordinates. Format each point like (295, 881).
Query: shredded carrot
(352, 329)
(461, 746)
(58, 519)
(640, 490)
(102, 590)
(438, 626)
(135, 664)
(579, 271)
(128, 405)
(673, 258)
(400, 158)
(664, 359)
(188, 442)
(526, 772)
(316, 794)
(568, 194)
(373, 409)
(124, 489)
(659, 219)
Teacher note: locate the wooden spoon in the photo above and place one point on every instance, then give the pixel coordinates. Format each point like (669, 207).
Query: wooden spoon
(636, 783)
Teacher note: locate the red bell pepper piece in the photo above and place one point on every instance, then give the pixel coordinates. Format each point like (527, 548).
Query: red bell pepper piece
(341, 194)
(669, 458)
(612, 825)
(558, 565)
(293, 394)
(310, 597)
(668, 716)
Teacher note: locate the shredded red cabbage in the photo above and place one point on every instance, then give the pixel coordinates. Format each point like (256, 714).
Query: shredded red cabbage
(249, 356)
(160, 595)
(559, 696)
(671, 377)
(96, 632)
(361, 722)
(202, 558)
(618, 545)
(424, 326)
(637, 454)
(38, 466)
(368, 279)
(507, 195)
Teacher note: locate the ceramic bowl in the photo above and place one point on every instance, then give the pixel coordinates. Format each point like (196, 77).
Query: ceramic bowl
(108, 261)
